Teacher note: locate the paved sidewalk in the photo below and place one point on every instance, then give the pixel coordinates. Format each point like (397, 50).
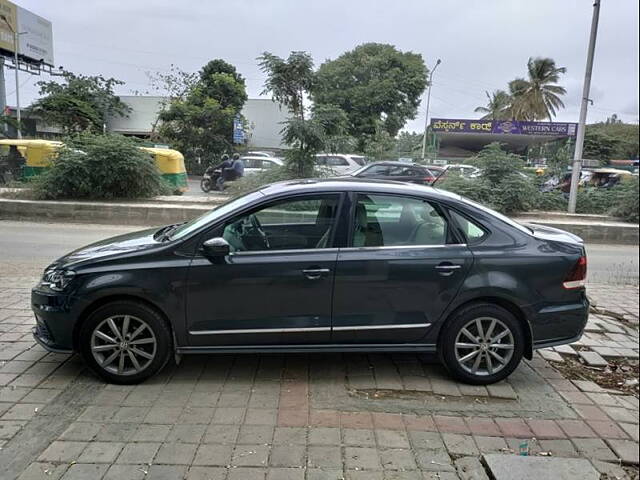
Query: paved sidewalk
(280, 417)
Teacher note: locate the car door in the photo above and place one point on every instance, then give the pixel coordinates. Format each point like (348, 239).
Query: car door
(403, 267)
(276, 285)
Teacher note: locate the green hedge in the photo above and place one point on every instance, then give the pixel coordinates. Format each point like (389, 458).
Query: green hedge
(101, 167)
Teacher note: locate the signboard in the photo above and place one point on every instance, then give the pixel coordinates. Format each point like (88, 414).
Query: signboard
(8, 10)
(238, 130)
(36, 43)
(507, 127)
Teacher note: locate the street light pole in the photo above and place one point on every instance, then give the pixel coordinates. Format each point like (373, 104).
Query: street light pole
(426, 116)
(577, 157)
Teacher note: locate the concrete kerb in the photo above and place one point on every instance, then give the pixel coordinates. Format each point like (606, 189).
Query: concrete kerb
(591, 228)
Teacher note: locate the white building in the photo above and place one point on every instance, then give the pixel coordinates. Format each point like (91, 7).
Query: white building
(264, 118)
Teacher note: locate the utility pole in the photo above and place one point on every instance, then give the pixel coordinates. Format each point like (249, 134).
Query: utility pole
(577, 157)
(3, 96)
(16, 36)
(426, 115)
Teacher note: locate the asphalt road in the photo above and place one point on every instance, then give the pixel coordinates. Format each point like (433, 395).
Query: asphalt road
(28, 247)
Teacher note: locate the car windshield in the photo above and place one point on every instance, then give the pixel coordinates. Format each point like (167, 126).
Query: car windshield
(212, 215)
(359, 160)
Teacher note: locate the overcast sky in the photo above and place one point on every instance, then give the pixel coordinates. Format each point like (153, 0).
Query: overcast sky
(482, 44)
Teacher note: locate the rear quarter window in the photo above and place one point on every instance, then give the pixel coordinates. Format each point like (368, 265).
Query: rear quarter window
(472, 232)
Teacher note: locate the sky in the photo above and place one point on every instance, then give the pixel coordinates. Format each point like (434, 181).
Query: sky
(482, 44)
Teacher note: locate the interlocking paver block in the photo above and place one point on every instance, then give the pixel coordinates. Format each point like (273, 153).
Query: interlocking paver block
(324, 457)
(470, 468)
(288, 456)
(138, 453)
(101, 452)
(63, 451)
(515, 467)
(594, 448)
(545, 429)
(607, 429)
(626, 450)
(460, 444)
(83, 471)
(213, 455)
(361, 458)
(250, 455)
(397, 459)
(514, 427)
(392, 439)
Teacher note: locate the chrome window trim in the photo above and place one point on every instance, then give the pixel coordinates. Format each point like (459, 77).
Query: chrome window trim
(401, 247)
(284, 251)
(388, 326)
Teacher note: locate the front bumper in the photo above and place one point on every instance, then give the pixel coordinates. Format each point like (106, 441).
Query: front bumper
(55, 320)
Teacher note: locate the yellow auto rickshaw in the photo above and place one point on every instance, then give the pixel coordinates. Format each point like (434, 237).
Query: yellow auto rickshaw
(36, 153)
(39, 153)
(171, 165)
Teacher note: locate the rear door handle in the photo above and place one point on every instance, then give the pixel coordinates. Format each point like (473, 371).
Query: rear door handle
(315, 273)
(447, 268)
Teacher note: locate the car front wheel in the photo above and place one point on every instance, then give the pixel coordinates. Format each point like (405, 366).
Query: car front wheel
(125, 342)
(482, 344)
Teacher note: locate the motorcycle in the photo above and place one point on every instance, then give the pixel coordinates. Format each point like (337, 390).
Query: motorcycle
(210, 179)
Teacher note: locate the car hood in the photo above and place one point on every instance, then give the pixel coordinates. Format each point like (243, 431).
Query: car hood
(122, 244)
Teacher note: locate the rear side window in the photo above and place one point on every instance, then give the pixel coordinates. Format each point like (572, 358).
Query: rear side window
(472, 231)
(389, 220)
(337, 162)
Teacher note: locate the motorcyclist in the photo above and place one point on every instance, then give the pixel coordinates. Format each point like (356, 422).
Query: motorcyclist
(225, 163)
(234, 171)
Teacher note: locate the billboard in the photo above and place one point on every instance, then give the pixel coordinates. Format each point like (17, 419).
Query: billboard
(510, 127)
(35, 41)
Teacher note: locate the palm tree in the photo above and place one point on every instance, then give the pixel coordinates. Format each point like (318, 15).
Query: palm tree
(537, 97)
(497, 106)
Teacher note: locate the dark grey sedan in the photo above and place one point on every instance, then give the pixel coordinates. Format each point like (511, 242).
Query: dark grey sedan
(308, 266)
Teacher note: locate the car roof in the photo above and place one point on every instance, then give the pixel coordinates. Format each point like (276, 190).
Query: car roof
(397, 163)
(355, 184)
(257, 157)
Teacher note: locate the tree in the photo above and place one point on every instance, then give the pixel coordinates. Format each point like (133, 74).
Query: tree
(611, 139)
(289, 81)
(199, 123)
(376, 85)
(538, 96)
(498, 105)
(79, 102)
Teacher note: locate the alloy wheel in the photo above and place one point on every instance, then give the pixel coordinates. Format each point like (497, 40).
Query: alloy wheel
(123, 345)
(484, 346)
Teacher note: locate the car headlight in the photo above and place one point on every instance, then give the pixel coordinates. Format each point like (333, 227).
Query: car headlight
(57, 279)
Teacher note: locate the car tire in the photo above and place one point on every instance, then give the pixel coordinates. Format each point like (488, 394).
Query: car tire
(471, 353)
(140, 349)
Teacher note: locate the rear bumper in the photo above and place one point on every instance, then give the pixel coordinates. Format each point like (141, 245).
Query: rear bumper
(559, 324)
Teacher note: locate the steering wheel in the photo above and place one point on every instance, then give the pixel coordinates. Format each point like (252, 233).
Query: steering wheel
(255, 223)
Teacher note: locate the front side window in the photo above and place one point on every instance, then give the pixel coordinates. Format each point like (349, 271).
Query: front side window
(374, 171)
(299, 223)
(337, 162)
(388, 220)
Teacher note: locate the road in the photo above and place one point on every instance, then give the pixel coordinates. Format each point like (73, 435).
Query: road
(30, 246)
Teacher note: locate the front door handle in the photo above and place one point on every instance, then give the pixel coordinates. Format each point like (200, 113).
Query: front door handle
(315, 273)
(447, 268)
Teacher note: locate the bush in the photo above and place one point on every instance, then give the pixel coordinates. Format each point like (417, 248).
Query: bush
(101, 166)
(253, 182)
(502, 185)
(627, 201)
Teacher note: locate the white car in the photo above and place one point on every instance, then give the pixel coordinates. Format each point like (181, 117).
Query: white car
(463, 170)
(260, 154)
(256, 164)
(339, 163)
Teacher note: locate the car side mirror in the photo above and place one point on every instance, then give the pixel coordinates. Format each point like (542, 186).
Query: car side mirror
(216, 247)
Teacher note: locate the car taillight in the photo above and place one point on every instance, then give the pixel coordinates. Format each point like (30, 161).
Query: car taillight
(577, 277)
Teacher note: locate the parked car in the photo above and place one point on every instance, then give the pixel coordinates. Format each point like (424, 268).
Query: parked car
(463, 170)
(259, 154)
(339, 163)
(253, 165)
(398, 171)
(313, 266)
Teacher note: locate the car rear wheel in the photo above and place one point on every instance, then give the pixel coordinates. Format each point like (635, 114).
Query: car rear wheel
(125, 342)
(482, 344)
